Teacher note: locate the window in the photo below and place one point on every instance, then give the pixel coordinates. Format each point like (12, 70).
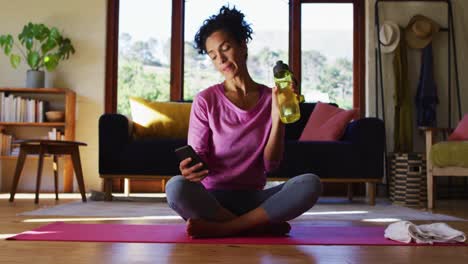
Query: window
(269, 42)
(152, 41)
(144, 51)
(327, 53)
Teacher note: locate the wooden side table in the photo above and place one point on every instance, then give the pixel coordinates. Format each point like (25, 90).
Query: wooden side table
(53, 147)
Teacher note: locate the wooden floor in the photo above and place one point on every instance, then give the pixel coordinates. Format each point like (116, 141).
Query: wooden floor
(74, 252)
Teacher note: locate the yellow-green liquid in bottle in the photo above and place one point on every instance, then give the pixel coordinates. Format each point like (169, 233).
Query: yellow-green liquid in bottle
(287, 100)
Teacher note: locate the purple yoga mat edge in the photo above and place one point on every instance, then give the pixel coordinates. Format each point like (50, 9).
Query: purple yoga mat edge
(287, 240)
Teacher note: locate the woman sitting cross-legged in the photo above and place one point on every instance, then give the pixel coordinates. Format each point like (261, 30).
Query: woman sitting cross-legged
(236, 129)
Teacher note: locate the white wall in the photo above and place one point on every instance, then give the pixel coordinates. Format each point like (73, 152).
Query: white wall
(401, 13)
(84, 22)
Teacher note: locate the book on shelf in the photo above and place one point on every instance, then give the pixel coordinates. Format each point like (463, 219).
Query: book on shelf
(18, 109)
(55, 134)
(8, 148)
(5, 144)
(15, 148)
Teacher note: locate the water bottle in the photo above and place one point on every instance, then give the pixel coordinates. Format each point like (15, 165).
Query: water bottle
(287, 100)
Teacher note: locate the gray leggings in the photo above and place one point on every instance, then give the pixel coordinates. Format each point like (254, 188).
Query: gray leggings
(281, 203)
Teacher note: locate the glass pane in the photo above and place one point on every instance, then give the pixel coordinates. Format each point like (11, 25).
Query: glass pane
(327, 53)
(144, 51)
(269, 42)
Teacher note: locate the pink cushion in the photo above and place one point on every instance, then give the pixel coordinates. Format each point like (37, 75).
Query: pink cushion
(461, 131)
(326, 123)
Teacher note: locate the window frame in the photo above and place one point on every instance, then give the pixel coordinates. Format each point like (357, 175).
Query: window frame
(359, 67)
(177, 49)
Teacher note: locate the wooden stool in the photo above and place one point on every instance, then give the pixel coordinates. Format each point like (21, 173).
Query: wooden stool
(53, 147)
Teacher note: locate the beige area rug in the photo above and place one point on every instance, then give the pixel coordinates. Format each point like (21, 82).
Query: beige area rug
(326, 209)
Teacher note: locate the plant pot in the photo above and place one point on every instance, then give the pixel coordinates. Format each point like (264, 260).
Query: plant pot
(35, 79)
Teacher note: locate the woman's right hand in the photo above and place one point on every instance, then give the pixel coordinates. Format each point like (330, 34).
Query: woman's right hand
(192, 173)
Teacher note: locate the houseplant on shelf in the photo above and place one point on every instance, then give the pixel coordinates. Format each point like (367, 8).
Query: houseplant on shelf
(41, 47)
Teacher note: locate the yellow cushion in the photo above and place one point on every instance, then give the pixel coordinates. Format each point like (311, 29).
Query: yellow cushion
(159, 119)
(450, 153)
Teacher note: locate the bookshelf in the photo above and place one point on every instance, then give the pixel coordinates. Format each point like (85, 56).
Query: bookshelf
(65, 100)
(42, 124)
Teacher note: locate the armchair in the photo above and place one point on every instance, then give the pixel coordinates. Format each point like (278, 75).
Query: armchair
(438, 163)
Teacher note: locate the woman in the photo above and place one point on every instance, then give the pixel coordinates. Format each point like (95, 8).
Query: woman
(236, 129)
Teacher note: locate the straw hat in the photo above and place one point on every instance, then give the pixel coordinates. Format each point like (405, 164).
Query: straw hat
(389, 36)
(420, 31)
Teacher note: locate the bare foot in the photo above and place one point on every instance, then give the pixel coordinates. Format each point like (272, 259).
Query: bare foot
(274, 229)
(198, 228)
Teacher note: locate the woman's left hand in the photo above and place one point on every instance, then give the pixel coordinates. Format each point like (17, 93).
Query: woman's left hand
(275, 115)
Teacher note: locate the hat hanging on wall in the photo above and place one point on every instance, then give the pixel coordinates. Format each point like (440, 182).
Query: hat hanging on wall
(420, 31)
(389, 36)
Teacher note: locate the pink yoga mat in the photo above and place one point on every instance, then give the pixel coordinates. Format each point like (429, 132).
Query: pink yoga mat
(175, 233)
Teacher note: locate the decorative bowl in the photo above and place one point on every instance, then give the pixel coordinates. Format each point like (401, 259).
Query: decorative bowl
(55, 116)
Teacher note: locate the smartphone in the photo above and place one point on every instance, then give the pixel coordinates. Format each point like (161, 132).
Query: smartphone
(188, 152)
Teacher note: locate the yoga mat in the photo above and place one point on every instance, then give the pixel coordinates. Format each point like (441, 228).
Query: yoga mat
(175, 233)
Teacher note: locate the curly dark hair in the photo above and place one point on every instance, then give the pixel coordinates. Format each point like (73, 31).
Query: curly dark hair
(228, 20)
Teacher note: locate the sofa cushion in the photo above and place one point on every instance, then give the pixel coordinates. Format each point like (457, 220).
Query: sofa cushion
(294, 130)
(461, 131)
(159, 119)
(326, 123)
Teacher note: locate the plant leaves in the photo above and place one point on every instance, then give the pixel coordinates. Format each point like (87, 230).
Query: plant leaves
(65, 49)
(26, 34)
(15, 60)
(6, 41)
(29, 43)
(55, 34)
(41, 32)
(44, 47)
(48, 45)
(51, 62)
(33, 60)
(35, 29)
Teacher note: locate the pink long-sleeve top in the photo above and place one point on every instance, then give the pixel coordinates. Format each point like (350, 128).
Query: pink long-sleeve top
(231, 140)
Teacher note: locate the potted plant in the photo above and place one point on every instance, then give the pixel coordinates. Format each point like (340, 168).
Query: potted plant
(40, 47)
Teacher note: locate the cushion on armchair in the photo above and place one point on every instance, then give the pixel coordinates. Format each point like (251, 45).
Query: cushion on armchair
(450, 153)
(461, 131)
(159, 119)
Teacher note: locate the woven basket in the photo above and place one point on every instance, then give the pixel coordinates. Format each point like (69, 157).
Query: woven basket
(408, 179)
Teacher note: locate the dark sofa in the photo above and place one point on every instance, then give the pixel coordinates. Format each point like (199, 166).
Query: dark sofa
(356, 157)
